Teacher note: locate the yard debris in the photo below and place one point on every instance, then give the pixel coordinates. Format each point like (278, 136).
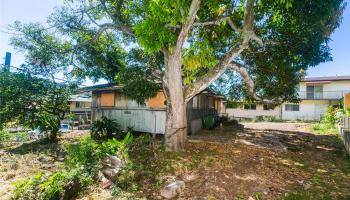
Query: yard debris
(190, 177)
(173, 189)
(111, 167)
(106, 183)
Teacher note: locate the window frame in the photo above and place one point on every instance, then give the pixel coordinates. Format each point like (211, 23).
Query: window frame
(292, 107)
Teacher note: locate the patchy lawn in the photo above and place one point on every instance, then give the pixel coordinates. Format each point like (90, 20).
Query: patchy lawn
(259, 161)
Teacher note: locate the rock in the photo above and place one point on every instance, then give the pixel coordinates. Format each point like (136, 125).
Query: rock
(190, 177)
(250, 198)
(173, 189)
(106, 183)
(110, 173)
(115, 161)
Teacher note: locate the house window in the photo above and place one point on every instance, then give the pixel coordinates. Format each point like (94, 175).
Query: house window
(291, 107)
(267, 107)
(250, 107)
(314, 92)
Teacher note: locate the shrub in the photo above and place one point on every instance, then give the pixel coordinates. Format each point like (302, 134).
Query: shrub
(104, 128)
(209, 121)
(331, 115)
(4, 136)
(82, 155)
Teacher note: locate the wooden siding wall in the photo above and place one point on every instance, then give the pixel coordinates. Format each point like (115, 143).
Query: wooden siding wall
(142, 120)
(150, 118)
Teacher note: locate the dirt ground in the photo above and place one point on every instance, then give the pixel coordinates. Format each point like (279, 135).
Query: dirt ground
(260, 161)
(267, 161)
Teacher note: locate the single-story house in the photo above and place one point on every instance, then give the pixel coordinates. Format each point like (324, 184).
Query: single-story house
(108, 100)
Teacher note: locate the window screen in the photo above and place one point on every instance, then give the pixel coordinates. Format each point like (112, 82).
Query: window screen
(292, 107)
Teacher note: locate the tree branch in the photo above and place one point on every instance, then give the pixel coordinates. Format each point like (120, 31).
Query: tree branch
(247, 35)
(215, 22)
(250, 83)
(187, 26)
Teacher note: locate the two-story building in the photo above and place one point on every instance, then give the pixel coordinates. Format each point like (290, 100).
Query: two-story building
(315, 94)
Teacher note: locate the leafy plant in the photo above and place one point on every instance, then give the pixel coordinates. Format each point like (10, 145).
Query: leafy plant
(104, 128)
(4, 136)
(209, 121)
(83, 155)
(331, 116)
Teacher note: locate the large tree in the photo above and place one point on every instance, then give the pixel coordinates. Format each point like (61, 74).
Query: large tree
(33, 102)
(187, 45)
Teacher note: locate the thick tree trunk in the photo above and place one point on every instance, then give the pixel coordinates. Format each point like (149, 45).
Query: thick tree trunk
(176, 122)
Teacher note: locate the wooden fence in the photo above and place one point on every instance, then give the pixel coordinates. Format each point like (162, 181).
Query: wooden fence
(345, 132)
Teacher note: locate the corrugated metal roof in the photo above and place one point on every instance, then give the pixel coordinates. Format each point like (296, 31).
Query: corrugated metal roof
(113, 86)
(326, 78)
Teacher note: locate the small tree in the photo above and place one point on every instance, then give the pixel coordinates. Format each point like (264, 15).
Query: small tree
(33, 102)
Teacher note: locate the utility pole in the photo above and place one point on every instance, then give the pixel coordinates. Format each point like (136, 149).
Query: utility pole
(7, 61)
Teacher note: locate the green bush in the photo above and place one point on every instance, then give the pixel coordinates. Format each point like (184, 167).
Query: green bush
(209, 121)
(82, 155)
(330, 116)
(4, 136)
(104, 129)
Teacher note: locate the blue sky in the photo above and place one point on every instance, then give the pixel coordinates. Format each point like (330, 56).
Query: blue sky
(38, 10)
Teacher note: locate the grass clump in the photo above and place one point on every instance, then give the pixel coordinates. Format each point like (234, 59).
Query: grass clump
(324, 128)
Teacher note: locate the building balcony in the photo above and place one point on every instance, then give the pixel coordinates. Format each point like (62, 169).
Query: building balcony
(325, 95)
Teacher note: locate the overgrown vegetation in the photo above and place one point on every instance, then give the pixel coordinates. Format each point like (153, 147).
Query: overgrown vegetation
(328, 123)
(267, 118)
(104, 128)
(83, 161)
(33, 102)
(6, 136)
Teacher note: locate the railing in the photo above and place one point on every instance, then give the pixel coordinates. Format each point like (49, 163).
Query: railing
(322, 95)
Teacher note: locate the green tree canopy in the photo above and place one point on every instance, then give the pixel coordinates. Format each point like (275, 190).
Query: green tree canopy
(33, 102)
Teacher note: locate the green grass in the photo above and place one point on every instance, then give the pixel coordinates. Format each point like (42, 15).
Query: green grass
(6, 136)
(323, 128)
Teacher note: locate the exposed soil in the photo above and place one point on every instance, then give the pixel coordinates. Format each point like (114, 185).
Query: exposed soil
(267, 161)
(259, 161)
